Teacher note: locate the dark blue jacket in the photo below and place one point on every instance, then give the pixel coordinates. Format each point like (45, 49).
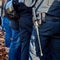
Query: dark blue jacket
(54, 10)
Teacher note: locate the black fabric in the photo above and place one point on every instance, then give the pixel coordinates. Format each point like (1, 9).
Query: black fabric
(21, 7)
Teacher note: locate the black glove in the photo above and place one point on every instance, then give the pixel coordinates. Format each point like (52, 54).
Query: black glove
(20, 6)
(15, 4)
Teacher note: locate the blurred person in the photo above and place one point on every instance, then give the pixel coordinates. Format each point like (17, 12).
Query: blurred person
(6, 28)
(15, 47)
(25, 27)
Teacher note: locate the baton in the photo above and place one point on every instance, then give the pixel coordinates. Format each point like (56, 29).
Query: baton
(37, 31)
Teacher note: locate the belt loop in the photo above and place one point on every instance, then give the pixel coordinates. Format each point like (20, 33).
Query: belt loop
(43, 17)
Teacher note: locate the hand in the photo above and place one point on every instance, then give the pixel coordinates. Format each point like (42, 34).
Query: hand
(15, 2)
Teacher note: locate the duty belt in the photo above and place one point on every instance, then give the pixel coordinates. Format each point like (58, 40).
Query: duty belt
(52, 18)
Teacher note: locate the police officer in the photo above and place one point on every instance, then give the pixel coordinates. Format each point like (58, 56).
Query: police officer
(50, 33)
(25, 27)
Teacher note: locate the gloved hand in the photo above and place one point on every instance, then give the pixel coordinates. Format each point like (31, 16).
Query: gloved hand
(20, 6)
(15, 4)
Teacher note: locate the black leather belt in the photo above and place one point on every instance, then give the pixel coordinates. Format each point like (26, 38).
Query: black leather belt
(52, 18)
